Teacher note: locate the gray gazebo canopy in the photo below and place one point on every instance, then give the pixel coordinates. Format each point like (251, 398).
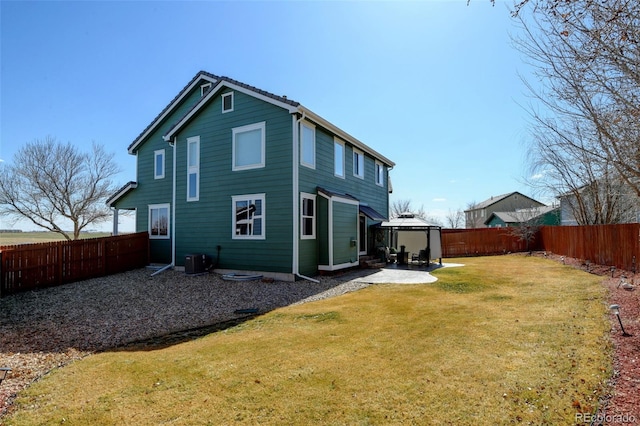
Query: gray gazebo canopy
(409, 222)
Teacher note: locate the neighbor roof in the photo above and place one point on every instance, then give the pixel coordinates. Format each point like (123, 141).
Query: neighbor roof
(518, 215)
(488, 202)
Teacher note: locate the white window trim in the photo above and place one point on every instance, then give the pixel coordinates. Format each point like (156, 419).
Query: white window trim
(337, 141)
(157, 207)
(249, 197)
(357, 152)
(193, 169)
(156, 154)
(225, 95)
(304, 195)
(379, 172)
(204, 88)
(248, 128)
(313, 143)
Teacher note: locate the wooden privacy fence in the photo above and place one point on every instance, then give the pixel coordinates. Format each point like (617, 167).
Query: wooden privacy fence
(478, 242)
(29, 266)
(612, 245)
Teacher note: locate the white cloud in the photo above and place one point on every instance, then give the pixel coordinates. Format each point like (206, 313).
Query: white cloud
(439, 200)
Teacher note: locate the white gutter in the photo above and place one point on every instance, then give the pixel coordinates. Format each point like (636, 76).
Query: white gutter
(344, 135)
(295, 266)
(173, 205)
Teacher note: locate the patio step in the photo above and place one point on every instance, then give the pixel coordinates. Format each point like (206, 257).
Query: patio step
(371, 262)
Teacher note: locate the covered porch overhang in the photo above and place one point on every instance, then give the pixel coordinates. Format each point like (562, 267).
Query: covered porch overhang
(113, 200)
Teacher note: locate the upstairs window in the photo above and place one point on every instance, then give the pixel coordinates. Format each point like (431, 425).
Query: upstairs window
(159, 221)
(248, 217)
(204, 89)
(307, 216)
(379, 173)
(248, 146)
(158, 164)
(308, 146)
(193, 168)
(338, 158)
(358, 163)
(227, 102)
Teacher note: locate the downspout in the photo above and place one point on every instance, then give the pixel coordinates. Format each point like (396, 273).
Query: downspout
(173, 204)
(296, 198)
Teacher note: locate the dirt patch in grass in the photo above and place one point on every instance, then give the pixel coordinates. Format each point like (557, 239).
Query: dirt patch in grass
(623, 402)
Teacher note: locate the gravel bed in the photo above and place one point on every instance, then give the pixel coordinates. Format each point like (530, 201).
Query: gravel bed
(44, 329)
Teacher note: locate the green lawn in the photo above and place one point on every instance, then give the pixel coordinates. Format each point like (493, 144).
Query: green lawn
(509, 339)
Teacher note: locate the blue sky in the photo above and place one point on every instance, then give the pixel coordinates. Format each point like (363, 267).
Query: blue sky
(432, 85)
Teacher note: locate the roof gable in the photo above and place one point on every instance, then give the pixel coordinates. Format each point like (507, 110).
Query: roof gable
(521, 215)
(201, 78)
(497, 198)
(225, 82)
(220, 82)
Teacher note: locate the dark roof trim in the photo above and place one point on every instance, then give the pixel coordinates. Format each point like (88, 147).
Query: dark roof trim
(219, 82)
(202, 75)
(223, 82)
(333, 194)
(121, 193)
(495, 199)
(371, 213)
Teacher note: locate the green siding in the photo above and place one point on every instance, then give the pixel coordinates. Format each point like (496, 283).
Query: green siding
(203, 225)
(345, 228)
(151, 190)
(322, 231)
(365, 190)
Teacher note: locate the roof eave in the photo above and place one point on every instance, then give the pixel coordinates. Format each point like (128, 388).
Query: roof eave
(222, 83)
(169, 109)
(344, 135)
(121, 192)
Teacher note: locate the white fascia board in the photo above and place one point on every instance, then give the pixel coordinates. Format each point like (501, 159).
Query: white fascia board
(214, 91)
(344, 135)
(339, 199)
(290, 108)
(124, 190)
(196, 82)
(337, 267)
(193, 112)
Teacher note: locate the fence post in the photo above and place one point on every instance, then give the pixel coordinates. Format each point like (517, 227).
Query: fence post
(60, 263)
(1, 276)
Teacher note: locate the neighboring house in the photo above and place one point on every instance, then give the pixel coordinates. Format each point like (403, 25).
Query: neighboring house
(476, 216)
(545, 215)
(256, 181)
(593, 205)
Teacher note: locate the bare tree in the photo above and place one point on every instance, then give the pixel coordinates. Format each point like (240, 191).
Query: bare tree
(586, 53)
(527, 224)
(400, 207)
(590, 188)
(403, 207)
(471, 221)
(54, 185)
(454, 219)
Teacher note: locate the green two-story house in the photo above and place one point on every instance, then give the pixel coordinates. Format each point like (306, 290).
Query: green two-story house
(256, 181)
